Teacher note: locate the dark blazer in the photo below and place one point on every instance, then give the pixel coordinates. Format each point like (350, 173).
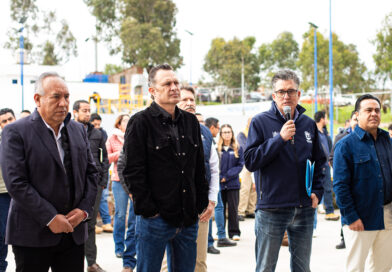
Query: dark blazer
(36, 180)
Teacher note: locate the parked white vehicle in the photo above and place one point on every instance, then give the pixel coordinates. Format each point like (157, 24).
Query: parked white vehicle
(344, 100)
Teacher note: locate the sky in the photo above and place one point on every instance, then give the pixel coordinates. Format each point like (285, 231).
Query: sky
(354, 21)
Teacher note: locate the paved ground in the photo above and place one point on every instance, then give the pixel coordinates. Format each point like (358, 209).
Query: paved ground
(242, 257)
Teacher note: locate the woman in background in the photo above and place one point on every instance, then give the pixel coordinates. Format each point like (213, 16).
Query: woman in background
(122, 246)
(231, 164)
(248, 197)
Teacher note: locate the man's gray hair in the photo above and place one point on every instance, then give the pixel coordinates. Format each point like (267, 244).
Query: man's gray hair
(38, 84)
(285, 75)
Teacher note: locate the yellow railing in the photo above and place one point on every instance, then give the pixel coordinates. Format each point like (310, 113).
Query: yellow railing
(125, 103)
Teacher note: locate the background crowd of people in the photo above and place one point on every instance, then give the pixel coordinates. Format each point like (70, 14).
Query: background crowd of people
(107, 151)
(173, 171)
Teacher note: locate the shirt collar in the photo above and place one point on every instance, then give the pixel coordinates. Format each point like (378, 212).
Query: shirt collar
(158, 110)
(51, 129)
(362, 133)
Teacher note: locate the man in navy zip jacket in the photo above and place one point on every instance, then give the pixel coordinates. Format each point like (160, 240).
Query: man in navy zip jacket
(277, 151)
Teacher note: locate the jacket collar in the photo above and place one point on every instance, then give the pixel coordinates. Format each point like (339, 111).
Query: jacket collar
(361, 133)
(90, 127)
(158, 111)
(276, 112)
(37, 116)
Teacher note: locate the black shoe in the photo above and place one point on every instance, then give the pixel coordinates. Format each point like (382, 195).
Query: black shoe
(226, 243)
(341, 245)
(213, 250)
(241, 218)
(250, 215)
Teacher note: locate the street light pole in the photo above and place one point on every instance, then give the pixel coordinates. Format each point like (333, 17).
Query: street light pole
(330, 75)
(190, 62)
(21, 46)
(315, 64)
(242, 85)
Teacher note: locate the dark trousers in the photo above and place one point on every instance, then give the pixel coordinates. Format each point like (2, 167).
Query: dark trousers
(90, 248)
(230, 199)
(5, 200)
(66, 256)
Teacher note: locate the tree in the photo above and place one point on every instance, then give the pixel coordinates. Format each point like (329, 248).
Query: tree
(40, 30)
(224, 62)
(282, 53)
(349, 73)
(111, 69)
(49, 56)
(145, 29)
(383, 55)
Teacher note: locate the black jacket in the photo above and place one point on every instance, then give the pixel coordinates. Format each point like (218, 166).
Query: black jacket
(98, 149)
(120, 168)
(159, 179)
(338, 137)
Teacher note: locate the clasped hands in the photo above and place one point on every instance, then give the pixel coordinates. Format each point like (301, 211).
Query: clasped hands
(66, 223)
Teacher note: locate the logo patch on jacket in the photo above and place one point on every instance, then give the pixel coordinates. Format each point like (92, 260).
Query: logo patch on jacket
(308, 137)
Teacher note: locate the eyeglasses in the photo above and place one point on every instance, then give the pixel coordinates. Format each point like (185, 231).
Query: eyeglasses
(226, 132)
(289, 92)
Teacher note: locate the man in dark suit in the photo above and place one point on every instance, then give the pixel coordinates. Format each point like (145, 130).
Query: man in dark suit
(52, 179)
(97, 140)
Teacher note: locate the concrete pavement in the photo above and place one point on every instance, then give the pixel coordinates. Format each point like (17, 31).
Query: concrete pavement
(242, 257)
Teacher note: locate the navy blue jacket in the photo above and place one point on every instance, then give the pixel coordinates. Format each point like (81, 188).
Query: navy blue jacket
(280, 165)
(241, 139)
(230, 168)
(206, 137)
(357, 179)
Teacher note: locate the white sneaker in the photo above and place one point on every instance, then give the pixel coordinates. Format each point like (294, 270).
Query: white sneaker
(235, 238)
(315, 233)
(320, 209)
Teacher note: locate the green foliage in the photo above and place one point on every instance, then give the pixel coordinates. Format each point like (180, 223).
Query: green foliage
(23, 8)
(344, 113)
(145, 29)
(49, 57)
(224, 62)
(350, 74)
(383, 55)
(281, 53)
(111, 69)
(66, 41)
(40, 30)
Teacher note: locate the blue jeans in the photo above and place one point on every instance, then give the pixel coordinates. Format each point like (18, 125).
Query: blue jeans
(327, 185)
(104, 207)
(219, 220)
(154, 235)
(270, 225)
(126, 246)
(5, 200)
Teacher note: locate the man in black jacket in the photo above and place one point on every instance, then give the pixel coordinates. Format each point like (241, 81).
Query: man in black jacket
(81, 111)
(165, 174)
